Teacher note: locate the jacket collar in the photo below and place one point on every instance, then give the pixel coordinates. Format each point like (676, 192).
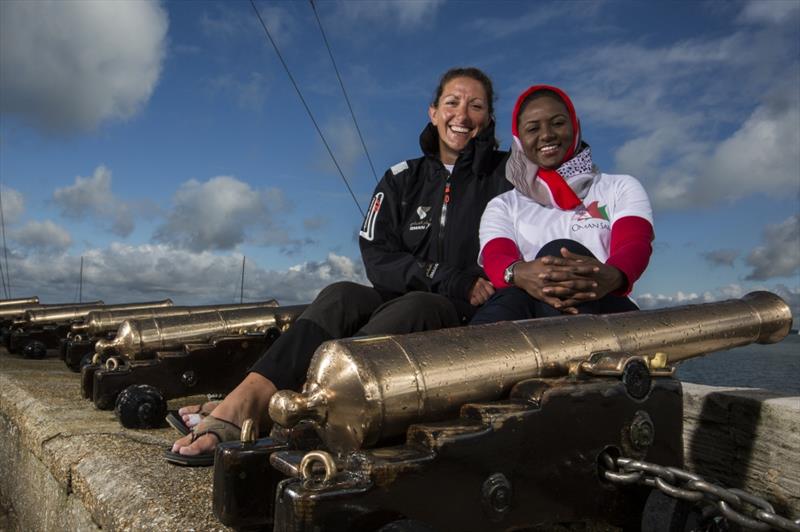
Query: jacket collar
(478, 155)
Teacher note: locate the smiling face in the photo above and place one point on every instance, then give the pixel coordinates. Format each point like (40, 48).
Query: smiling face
(545, 131)
(460, 113)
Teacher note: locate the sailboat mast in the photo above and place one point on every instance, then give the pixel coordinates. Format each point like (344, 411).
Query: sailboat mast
(241, 290)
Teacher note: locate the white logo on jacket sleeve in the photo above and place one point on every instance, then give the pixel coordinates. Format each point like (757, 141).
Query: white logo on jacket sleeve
(399, 167)
(368, 228)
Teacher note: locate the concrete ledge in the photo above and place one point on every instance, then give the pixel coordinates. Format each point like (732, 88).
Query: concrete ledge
(66, 465)
(745, 438)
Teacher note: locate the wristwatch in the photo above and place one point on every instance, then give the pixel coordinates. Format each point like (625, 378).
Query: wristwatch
(508, 274)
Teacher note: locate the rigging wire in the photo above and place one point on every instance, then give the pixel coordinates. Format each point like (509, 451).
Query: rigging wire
(341, 84)
(7, 278)
(308, 110)
(3, 278)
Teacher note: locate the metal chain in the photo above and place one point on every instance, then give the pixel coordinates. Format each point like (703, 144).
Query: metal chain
(740, 507)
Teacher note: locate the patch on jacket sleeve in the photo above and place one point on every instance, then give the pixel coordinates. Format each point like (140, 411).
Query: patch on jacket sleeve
(430, 271)
(399, 167)
(368, 227)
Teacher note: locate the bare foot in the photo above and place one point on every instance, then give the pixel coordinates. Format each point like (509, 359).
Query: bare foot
(249, 400)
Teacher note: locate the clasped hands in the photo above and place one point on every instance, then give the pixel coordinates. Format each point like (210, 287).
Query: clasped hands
(566, 281)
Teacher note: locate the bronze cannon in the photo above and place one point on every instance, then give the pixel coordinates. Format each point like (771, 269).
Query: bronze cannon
(17, 312)
(19, 301)
(139, 338)
(511, 423)
(77, 312)
(44, 328)
(362, 390)
(202, 352)
(98, 325)
(13, 318)
(99, 322)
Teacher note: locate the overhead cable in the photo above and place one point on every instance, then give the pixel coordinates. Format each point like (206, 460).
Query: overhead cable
(344, 91)
(308, 110)
(7, 279)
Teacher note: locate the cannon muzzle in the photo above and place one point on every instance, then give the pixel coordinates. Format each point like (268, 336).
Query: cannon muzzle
(362, 390)
(102, 321)
(135, 337)
(19, 301)
(78, 312)
(17, 312)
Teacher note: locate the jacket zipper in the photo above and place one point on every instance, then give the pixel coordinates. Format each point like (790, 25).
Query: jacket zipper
(443, 217)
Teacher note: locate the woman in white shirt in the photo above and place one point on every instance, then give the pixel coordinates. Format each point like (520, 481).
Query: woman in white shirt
(568, 238)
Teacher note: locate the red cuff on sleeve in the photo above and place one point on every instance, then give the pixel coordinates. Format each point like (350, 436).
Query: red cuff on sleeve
(630, 249)
(497, 254)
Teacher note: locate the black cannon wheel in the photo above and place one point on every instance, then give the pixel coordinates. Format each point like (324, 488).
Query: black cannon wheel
(34, 349)
(141, 406)
(406, 525)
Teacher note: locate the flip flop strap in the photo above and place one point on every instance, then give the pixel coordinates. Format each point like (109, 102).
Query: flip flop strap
(217, 427)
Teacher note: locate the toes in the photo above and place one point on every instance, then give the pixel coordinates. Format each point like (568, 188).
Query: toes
(182, 442)
(191, 409)
(203, 444)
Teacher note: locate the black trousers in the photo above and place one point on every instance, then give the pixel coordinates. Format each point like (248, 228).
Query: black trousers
(514, 303)
(347, 309)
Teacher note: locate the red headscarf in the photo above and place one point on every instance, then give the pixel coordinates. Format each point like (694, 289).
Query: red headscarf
(561, 193)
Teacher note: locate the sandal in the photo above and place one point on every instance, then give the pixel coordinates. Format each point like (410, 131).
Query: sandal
(223, 430)
(176, 421)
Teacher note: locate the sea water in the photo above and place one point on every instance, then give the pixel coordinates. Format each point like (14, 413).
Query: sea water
(774, 367)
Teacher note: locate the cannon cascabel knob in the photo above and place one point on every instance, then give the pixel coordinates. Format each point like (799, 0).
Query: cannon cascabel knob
(288, 408)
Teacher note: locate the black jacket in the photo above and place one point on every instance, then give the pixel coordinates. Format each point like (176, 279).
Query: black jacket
(421, 229)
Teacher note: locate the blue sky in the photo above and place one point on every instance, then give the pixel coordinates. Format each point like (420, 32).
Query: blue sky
(163, 141)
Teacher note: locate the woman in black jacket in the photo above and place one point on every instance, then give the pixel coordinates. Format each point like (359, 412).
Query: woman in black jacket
(419, 242)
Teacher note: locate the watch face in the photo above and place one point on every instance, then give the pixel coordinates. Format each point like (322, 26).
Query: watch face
(508, 275)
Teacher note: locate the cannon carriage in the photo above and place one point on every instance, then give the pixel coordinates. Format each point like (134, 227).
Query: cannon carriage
(202, 352)
(496, 427)
(33, 336)
(78, 348)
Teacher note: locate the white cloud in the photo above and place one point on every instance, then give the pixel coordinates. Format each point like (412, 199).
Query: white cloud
(537, 16)
(250, 94)
(228, 25)
(345, 144)
(649, 301)
(705, 120)
(761, 157)
(780, 254)
(221, 213)
(720, 257)
(92, 196)
(401, 14)
(122, 273)
(43, 237)
(770, 11)
(69, 66)
(13, 204)
(314, 223)
(791, 295)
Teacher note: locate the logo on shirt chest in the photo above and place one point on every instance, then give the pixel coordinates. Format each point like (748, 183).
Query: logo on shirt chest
(592, 216)
(421, 224)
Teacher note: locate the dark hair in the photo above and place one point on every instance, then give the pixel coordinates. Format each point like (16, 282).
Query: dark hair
(535, 96)
(466, 72)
